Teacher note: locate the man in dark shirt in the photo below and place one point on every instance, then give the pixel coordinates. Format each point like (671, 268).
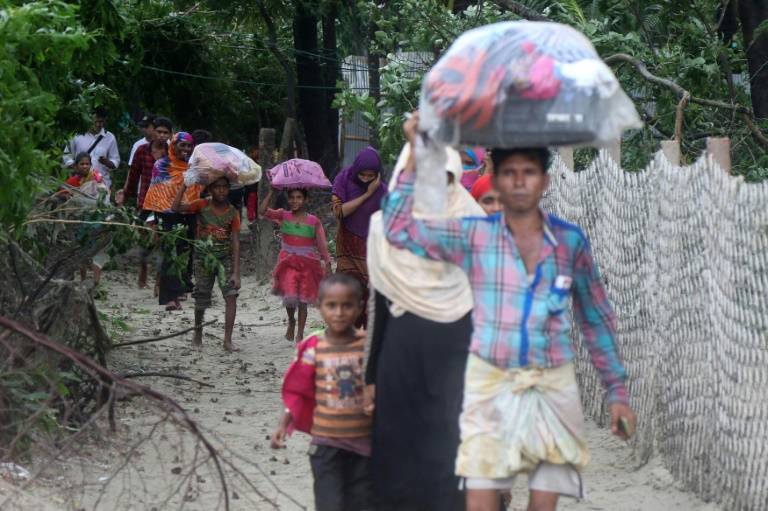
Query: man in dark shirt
(138, 180)
(140, 173)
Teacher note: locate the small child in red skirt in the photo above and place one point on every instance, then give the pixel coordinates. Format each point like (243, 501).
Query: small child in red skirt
(303, 258)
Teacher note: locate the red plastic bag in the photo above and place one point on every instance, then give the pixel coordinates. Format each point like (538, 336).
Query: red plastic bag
(299, 386)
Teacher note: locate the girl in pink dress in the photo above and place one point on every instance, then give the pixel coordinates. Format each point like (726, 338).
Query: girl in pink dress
(298, 272)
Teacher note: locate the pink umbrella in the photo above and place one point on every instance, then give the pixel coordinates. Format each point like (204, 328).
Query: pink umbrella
(298, 173)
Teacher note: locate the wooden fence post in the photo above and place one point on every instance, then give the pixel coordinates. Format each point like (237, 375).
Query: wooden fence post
(266, 147)
(566, 154)
(671, 150)
(720, 149)
(266, 154)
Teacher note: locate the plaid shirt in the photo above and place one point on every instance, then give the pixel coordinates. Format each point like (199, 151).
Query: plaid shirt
(519, 320)
(140, 174)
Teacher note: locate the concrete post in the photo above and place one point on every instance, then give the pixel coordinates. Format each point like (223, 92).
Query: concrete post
(566, 154)
(720, 149)
(614, 151)
(671, 150)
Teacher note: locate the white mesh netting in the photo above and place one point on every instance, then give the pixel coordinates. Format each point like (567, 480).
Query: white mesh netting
(684, 254)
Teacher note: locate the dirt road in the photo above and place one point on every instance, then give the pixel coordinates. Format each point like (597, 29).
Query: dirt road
(239, 412)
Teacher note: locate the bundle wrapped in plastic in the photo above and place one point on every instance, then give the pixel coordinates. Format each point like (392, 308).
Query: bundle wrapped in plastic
(521, 83)
(298, 173)
(211, 161)
(92, 191)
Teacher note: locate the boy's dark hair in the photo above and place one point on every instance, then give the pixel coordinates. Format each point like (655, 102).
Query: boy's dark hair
(100, 111)
(201, 136)
(164, 122)
(539, 154)
(158, 144)
(146, 120)
(303, 191)
(341, 279)
(79, 156)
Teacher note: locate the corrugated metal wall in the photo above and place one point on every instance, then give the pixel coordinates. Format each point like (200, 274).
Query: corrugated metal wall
(354, 133)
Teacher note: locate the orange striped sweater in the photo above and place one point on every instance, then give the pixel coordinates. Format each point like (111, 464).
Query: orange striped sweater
(339, 390)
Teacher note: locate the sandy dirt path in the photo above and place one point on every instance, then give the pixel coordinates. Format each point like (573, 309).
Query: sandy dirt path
(241, 410)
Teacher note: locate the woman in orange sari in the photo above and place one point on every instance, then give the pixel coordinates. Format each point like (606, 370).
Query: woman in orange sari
(167, 178)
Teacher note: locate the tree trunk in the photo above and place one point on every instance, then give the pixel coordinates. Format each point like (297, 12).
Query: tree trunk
(315, 95)
(331, 75)
(290, 78)
(751, 14)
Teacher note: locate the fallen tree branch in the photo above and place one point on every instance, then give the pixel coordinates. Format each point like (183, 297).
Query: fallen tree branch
(679, 116)
(167, 375)
(87, 222)
(161, 337)
(110, 379)
(755, 130)
(521, 10)
(681, 93)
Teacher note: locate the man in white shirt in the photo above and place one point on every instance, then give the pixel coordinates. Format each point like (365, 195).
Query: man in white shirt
(147, 123)
(99, 143)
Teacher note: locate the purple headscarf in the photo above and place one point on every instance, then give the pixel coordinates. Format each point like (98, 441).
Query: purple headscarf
(347, 186)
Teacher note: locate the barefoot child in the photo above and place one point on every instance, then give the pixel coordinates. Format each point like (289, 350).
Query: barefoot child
(219, 222)
(298, 271)
(323, 395)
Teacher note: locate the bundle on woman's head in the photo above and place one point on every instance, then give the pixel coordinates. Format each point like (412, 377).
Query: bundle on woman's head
(183, 136)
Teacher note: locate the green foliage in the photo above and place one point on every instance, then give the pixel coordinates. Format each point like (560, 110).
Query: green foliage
(676, 40)
(38, 41)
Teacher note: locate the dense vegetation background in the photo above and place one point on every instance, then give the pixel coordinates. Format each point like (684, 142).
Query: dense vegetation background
(233, 67)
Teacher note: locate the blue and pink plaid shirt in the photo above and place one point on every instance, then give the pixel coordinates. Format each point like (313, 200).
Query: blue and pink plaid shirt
(520, 320)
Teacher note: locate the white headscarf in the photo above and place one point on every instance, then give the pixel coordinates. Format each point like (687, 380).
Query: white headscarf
(434, 290)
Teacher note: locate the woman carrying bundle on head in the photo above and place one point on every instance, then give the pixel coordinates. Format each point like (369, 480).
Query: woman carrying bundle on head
(357, 195)
(167, 178)
(298, 271)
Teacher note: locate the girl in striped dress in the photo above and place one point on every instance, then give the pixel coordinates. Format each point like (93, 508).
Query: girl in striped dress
(303, 258)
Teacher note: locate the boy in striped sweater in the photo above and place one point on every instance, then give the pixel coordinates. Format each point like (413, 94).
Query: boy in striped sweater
(323, 396)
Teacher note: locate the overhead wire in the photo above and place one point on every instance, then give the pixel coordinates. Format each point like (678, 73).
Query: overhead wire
(237, 80)
(250, 38)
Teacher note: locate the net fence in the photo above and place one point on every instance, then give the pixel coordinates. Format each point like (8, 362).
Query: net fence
(684, 254)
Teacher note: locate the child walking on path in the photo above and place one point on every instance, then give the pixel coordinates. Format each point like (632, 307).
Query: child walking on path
(323, 396)
(218, 222)
(298, 272)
